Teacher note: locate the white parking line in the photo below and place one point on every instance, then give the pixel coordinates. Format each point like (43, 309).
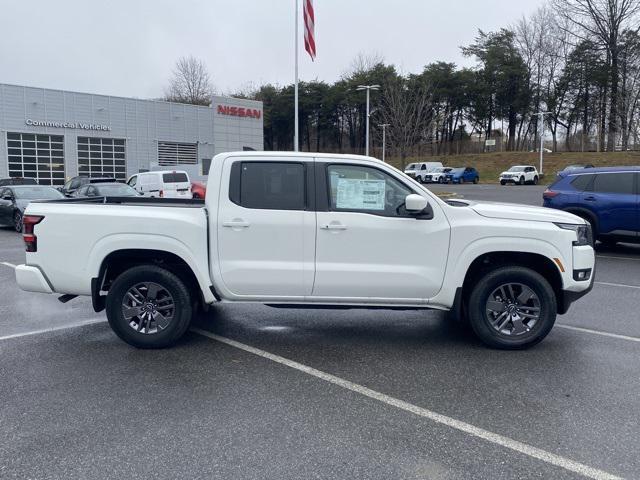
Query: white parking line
(609, 284)
(53, 329)
(7, 264)
(598, 332)
(467, 428)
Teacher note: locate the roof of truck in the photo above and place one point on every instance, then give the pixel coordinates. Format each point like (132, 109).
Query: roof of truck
(295, 154)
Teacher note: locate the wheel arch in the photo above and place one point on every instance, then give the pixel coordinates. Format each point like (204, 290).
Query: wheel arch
(539, 263)
(118, 261)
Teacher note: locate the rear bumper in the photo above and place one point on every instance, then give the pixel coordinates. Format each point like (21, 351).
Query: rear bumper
(32, 279)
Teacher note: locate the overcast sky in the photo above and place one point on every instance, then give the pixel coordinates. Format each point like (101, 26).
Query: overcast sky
(128, 47)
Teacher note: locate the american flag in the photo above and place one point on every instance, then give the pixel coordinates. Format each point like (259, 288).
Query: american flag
(309, 21)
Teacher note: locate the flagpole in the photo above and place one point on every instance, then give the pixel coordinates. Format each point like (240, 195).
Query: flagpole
(295, 128)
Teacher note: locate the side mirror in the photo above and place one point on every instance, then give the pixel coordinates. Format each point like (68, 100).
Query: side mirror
(415, 203)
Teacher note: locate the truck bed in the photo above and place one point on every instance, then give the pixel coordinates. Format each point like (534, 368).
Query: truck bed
(137, 201)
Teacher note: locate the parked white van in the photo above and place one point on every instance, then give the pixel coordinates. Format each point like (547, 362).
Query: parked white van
(419, 170)
(162, 184)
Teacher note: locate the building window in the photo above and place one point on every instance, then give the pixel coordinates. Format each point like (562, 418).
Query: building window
(170, 153)
(40, 157)
(102, 157)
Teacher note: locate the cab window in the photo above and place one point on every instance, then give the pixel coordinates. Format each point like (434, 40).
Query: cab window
(354, 188)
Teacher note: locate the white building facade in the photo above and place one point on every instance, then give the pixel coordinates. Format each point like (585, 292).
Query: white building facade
(52, 135)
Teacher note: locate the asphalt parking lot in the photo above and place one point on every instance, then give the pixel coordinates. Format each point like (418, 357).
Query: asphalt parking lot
(257, 392)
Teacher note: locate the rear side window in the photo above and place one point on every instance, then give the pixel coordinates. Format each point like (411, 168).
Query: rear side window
(620, 183)
(175, 177)
(269, 185)
(582, 182)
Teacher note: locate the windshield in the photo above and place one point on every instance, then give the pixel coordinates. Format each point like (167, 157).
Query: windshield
(37, 193)
(411, 166)
(116, 190)
(457, 170)
(441, 169)
(516, 169)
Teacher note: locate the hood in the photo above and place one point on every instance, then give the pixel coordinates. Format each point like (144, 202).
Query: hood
(514, 211)
(509, 173)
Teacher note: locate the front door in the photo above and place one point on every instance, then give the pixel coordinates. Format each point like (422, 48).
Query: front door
(368, 246)
(266, 228)
(6, 207)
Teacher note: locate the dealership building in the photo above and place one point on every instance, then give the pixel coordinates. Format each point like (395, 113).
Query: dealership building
(52, 135)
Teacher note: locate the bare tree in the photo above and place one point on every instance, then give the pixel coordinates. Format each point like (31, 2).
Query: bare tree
(408, 111)
(605, 20)
(191, 83)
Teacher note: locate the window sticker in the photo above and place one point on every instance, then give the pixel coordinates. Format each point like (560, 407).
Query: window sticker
(354, 194)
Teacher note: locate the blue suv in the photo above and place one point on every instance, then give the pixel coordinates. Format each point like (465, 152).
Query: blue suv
(605, 197)
(461, 175)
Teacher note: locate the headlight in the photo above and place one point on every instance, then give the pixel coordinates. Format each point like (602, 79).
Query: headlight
(583, 233)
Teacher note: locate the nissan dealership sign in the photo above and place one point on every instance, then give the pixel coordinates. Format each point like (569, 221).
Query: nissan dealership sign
(239, 111)
(77, 125)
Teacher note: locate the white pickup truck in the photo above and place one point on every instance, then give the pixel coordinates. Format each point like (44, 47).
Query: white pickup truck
(293, 229)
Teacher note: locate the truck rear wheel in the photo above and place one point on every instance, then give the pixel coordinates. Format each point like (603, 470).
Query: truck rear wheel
(149, 307)
(512, 308)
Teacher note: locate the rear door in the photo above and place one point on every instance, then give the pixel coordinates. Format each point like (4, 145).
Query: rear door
(613, 198)
(176, 185)
(266, 227)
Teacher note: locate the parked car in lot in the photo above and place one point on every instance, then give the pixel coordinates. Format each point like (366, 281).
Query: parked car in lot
(520, 174)
(199, 190)
(14, 200)
(75, 183)
(607, 198)
(162, 184)
(307, 229)
(462, 175)
(575, 166)
(113, 189)
(5, 182)
(438, 175)
(421, 169)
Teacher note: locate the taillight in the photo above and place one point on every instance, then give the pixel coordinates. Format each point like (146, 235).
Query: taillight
(549, 193)
(161, 193)
(30, 239)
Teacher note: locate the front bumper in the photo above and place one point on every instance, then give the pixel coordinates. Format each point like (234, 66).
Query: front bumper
(32, 279)
(583, 259)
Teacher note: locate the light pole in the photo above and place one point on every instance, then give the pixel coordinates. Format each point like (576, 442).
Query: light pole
(384, 137)
(368, 88)
(541, 122)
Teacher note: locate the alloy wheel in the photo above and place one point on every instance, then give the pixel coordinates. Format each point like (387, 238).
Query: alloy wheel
(148, 307)
(17, 222)
(513, 309)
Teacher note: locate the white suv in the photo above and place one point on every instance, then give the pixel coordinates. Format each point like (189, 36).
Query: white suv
(520, 174)
(418, 171)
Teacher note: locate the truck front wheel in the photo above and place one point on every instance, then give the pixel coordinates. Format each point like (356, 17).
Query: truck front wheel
(149, 307)
(512, 308)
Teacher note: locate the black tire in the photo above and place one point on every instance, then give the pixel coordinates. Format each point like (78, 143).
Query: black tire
(170, 282)
(503, 183)
(17, 221)
(521, 181)
(440, 180)
(479, 319)
(476, 180)
(535, 180)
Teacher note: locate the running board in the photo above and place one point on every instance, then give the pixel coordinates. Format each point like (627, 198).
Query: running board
(66, 297)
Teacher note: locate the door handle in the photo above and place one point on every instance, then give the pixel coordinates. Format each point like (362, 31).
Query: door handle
(236, 224)
(333, 226)
(590, 198)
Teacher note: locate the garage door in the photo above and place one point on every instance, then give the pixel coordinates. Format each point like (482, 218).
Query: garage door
(36, 156)
(102, 157)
